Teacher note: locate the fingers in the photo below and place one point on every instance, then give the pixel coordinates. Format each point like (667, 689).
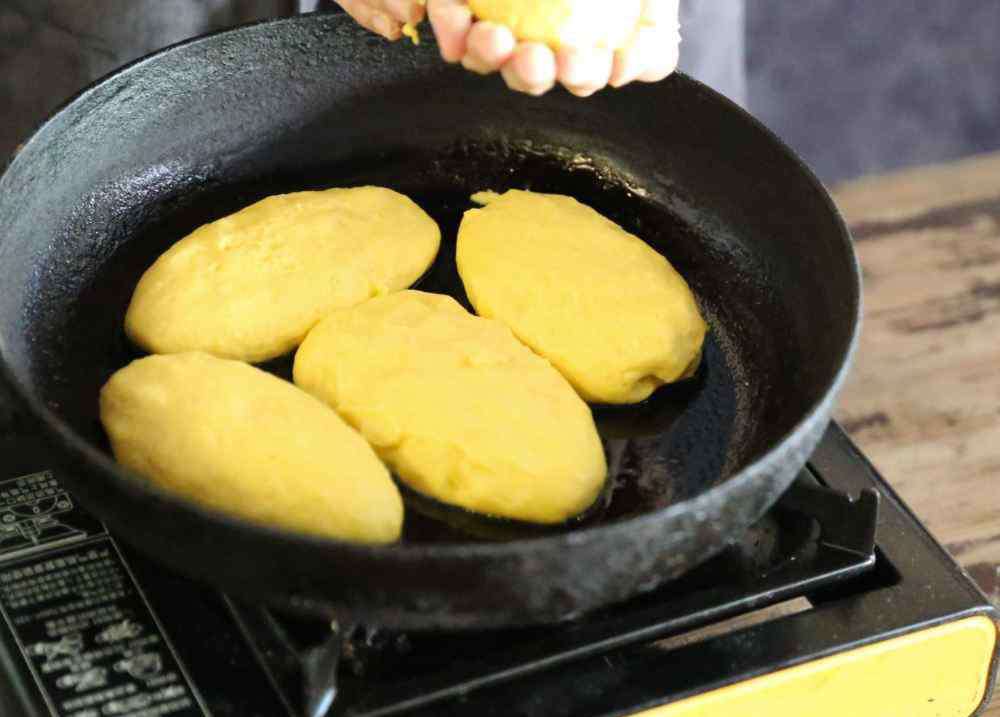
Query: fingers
(652, 56)
(452, 22)
(385, 17)
(527, 67)
(584, 72)
(402, 11)
(405, 11)
(664, 61)
(663, 17)
(631, 61)
(654, 51)
(531, 69)
(488, 47)
(371, 17)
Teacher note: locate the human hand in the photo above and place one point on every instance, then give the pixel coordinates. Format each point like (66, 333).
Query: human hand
(385, 17)
(534, 68)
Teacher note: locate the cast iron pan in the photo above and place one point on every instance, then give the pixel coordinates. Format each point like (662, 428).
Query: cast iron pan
(200, 130)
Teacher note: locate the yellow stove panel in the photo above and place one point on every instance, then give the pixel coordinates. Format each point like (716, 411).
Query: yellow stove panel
(937, 672)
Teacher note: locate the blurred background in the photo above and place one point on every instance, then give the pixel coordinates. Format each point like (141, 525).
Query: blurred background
(859, 87)
(855, 86)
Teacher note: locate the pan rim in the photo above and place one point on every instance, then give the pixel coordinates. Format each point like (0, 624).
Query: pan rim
(83, 451)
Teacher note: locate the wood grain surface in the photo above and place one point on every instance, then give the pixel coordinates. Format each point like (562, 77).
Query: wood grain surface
(923, 401)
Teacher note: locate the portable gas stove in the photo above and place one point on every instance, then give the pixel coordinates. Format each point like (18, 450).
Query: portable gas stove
(837, 603)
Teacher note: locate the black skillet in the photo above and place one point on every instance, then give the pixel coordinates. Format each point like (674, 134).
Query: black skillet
(192, 133)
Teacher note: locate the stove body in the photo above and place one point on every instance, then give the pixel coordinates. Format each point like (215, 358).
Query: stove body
(838, 603)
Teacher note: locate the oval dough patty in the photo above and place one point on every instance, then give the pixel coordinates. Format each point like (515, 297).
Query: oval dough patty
(239, 440)
(558, 23)
(606, 309)
(460, 409)
(251, 285)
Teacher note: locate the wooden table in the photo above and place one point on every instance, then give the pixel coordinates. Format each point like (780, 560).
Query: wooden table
(924, 398)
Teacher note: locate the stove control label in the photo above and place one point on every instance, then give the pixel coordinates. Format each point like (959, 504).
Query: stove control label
(90, 639)
(36, 513)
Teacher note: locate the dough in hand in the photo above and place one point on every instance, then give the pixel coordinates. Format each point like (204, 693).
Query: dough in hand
(457, 407)
(603, 306)
(236, 439)
(606, 24)
(251, 285)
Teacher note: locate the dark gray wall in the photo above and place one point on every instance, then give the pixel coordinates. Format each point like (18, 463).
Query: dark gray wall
(858, 86)
(50, 49)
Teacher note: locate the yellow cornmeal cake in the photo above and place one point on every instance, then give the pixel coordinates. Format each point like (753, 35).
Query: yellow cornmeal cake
(607, 310)
(559, 23)
(457, 407)
(251, 285)
(236, 439)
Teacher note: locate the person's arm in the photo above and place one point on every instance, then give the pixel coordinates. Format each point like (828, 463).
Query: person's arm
(532, 67)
